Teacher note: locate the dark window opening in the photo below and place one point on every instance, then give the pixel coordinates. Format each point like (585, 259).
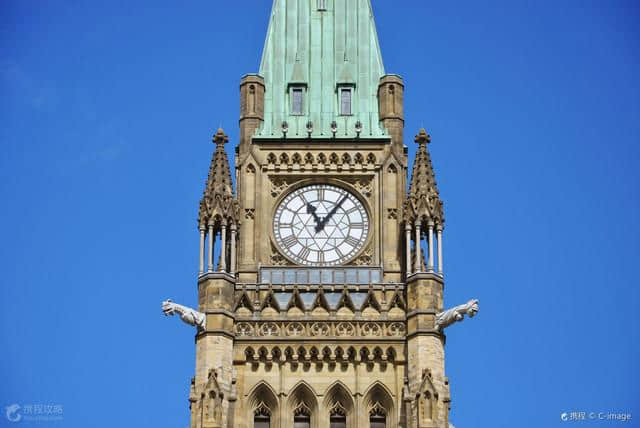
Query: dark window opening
(345, 101)
(296, 101)
(378, 422)
(302, 421)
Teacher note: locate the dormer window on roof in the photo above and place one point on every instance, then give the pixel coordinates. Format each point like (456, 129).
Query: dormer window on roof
(345, 99)
(296, 95)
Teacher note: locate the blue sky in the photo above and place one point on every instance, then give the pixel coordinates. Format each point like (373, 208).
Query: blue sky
(106, 114)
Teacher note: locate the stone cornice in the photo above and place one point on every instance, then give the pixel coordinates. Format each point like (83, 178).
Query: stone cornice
(216, 275)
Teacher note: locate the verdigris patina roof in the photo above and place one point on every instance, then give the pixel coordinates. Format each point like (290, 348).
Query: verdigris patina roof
(319, 45)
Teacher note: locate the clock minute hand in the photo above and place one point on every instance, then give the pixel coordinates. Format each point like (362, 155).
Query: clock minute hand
(331, 213)
(312, 210)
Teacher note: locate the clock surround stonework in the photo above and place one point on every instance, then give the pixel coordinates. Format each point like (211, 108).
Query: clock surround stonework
(357, 344)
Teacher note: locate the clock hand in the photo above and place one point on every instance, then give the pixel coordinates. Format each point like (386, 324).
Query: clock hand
(312, 210)
(331, 213)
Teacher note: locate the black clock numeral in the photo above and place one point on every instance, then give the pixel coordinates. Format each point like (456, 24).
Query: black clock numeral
(352, 241)
(304, 253)
(320, 257)
(352, 210)
(356, 225)
(321, 194)
(289, 241)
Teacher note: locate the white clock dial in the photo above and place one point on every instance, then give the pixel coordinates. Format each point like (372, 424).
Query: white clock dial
(321, 225)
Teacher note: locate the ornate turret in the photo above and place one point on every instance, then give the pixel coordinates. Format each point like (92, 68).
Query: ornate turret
(218, 204)
(423, 201)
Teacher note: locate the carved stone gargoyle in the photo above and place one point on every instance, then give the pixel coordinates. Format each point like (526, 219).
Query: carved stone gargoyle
(188, 315)
(453, 315)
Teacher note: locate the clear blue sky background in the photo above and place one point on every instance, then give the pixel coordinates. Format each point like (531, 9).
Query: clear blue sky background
(106, 114)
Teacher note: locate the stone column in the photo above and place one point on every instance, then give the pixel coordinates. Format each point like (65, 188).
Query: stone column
(439, 232)
(223, 248)
(201, 265)
(430, 238)
(232, 262)
(212, 237)
(407, 232)
(418, 264)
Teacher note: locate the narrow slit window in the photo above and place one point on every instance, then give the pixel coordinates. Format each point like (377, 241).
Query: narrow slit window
(345, 101)
(322, 5)
(296, 101)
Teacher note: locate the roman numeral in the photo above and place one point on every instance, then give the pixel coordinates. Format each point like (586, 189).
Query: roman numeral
(352, 210)
(289, 241)
(356, 225)
(304, 253)
(352, 241)
(321, 194)
(320, 257)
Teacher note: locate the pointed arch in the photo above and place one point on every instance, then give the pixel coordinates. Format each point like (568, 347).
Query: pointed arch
(296, 305)
(371, 307)
(270, 302)
(308, 159)
(244, 302)
(397, 301)
(378, 403)
(301, 402)
(262, 404)
(338, 402)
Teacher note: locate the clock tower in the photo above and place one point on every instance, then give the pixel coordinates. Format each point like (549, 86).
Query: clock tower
(324, 304)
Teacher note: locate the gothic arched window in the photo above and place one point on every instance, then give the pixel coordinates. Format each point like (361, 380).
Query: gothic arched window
(338, 416)
(377, 416)
(262, 416)
(302, 416)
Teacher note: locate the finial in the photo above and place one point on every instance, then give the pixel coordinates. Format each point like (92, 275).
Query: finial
(423, 137)
(220, 137)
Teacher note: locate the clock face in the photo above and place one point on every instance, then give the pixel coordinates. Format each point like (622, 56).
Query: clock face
(321, 225)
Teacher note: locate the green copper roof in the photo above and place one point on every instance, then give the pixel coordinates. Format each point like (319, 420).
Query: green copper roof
(320, 46)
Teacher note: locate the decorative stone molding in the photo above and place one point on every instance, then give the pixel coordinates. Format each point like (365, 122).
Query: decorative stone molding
(269, 329)
(364, 186)
(278, 185)
(188, 315)
(392, 213)
(396, 329)
(320, 329)
(250, 213)
(244, 329)
(371, 329)
(364, 259)
(345, 329)
(316, 353)
(277, 259)
(453, 315)
(295, 329)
